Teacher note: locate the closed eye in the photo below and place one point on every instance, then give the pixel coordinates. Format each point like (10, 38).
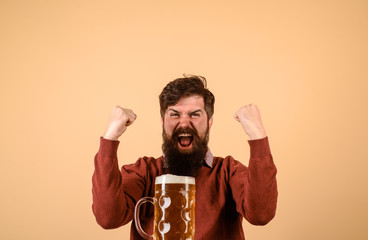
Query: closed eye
(174, 114)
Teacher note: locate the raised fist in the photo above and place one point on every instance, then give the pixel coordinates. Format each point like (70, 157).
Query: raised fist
(120, 119)
(250, 119)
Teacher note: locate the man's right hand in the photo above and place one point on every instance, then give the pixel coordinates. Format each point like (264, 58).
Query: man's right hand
(119, 120)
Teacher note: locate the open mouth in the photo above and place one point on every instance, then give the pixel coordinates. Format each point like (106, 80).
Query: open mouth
(185, 140)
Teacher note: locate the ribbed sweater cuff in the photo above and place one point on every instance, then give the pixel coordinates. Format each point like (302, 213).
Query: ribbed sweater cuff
(259, 147)
(108, 148)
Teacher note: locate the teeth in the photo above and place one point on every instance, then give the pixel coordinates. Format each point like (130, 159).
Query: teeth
(185, 135)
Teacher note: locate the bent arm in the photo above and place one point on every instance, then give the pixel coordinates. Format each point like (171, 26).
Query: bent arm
(255, 188)
(110, 207)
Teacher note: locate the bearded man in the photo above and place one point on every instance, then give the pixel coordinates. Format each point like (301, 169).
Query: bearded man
(226, 190)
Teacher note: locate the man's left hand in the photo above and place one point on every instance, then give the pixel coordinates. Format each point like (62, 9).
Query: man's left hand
(250, 119)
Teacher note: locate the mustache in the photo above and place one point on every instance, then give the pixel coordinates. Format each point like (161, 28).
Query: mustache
(181, 130)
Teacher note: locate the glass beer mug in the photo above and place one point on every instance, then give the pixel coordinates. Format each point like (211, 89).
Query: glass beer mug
(174, 208)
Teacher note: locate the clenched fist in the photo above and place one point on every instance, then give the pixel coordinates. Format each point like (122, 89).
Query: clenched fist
(119, 120)
(250, 119)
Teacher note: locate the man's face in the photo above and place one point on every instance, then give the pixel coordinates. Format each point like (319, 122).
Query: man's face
(184, 119)
(185, 136)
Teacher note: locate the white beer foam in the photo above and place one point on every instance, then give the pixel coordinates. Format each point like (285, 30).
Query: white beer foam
(169, 178)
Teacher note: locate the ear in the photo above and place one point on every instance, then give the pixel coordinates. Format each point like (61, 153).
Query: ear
(162, 121)
(210, 123)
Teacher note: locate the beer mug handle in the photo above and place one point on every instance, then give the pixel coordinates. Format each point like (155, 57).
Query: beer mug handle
(136, 216)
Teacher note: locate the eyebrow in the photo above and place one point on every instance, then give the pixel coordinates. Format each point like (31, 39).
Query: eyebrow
(198, 110)
(195, 111)
(171, 109)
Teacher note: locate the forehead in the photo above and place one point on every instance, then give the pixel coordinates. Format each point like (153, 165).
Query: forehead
(189, 103)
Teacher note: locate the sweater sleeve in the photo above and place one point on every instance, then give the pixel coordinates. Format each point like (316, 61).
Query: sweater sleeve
(254, 187)
(113, 205)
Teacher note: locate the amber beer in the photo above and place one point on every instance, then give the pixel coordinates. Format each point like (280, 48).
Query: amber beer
(174, 208)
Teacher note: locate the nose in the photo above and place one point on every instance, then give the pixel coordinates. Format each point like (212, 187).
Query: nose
(184, 122)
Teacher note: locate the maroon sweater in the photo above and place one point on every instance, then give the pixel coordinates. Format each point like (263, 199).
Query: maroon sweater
(225, 192)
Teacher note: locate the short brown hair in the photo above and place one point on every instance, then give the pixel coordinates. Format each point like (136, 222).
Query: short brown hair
(186, 87)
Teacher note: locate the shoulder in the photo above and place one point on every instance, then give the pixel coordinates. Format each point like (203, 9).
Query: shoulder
(145, 168)
(146, 163)
(228, 164)
(225, 161)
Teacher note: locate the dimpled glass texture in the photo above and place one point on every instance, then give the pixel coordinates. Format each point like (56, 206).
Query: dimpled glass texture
(174, 211)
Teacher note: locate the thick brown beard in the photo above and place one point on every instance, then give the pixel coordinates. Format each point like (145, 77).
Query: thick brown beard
(184, 163)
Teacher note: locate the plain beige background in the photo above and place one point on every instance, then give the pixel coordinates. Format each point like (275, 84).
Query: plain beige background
(65, 64)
